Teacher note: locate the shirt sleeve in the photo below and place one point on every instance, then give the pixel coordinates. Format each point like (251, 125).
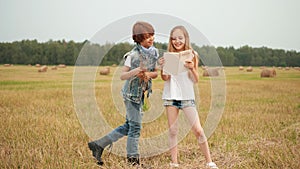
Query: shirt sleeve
(128, 61)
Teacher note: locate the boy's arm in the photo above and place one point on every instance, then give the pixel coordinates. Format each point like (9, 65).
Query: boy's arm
(152, 75)
(127, 73)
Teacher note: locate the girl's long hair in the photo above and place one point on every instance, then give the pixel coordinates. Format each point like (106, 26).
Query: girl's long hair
(187, 45)
(186, 36)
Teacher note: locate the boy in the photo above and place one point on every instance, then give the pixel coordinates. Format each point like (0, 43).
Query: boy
(138, 71)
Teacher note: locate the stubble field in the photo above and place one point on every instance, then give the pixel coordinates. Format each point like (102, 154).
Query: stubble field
(260, 126)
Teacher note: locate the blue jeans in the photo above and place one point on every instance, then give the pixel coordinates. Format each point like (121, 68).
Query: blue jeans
(131, 128)
(179, 104)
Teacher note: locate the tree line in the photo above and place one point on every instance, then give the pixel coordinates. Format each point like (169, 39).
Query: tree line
(63, 52)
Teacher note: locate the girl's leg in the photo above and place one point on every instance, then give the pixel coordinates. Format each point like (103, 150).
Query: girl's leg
(193, 118)
(172, 114)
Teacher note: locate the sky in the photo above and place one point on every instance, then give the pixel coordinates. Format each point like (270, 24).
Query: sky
(256, 23)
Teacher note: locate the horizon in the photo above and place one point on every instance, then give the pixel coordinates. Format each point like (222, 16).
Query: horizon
(254, 47)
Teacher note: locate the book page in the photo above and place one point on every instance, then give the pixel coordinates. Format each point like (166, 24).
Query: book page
(174, 62)
(171, 63)
(184, 55)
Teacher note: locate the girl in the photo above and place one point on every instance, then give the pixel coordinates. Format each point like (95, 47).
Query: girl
(182, 96)
(139, 69)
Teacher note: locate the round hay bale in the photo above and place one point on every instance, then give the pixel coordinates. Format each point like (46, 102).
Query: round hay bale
(43, 69)
(105, 71)
(7, 65)
(54, 68)
(249, 69)
(268, 73)
(61, 66)
(241, 68)
(205, 73)
(211, 72)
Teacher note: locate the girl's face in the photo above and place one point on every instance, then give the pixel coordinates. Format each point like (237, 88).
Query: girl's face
(178, 40)
(148, 42)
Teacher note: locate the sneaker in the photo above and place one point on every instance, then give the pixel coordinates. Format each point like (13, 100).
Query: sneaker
(174, 165)
(134, 161)
(212, 165)
(97, 152)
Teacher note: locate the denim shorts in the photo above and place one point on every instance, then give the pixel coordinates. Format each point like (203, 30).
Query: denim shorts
(180, 104)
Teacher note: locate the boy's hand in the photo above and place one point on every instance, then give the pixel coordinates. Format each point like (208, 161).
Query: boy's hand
(145, 76)
(141, 75)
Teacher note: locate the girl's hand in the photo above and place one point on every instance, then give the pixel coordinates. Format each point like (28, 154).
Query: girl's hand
(161, 62)
(189, 64)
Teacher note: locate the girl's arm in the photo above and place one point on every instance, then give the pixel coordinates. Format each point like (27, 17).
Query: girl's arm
(164, 77)
(193, 69)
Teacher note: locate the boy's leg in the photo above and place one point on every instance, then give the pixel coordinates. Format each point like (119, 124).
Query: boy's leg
(119, 132)
(133, 139)
(98, 146)
(134, 116)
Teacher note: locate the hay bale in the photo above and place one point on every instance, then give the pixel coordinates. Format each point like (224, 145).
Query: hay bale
(43, 69)
(37, 65)
(204, 67)
(61, 66)
(268, 73)
(54, 68)
(105, 71)
(7, 65)
(249, 69)
(211, 72)
(241, 68)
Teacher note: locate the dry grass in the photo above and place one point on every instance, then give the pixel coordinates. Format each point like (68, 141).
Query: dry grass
(260, 127)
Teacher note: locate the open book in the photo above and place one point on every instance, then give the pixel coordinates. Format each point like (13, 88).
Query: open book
(174, 62)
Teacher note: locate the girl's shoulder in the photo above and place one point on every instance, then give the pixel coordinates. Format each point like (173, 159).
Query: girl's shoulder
(195, 53)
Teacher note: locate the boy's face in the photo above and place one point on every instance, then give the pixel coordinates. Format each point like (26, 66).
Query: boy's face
(148, 42)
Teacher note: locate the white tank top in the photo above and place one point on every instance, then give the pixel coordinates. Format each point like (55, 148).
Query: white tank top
(179, 87)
